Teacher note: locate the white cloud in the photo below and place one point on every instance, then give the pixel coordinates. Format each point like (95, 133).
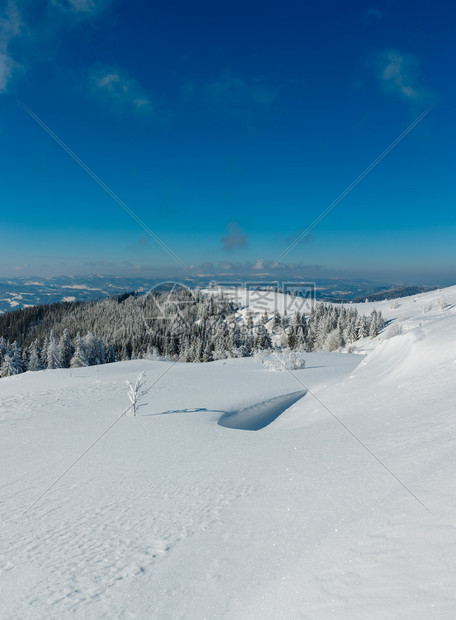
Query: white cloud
(10, 22)
(116, 87)
(266, 265)
(30, 29)
(398, 74)
(10, 28)
(7, 66)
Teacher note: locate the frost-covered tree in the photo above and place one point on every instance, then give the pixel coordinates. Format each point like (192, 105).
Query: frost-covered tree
(79, 358)
(66, 349)
(8, 367)
(110, 355)
(350, 334)
(52, 353)
(3, 347)
(34, 362)
(262, 338)
(373, 326)
(277, 321)
(362, 327)
(15, 353)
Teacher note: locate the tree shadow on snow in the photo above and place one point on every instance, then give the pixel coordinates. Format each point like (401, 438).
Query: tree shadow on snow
(195, 410)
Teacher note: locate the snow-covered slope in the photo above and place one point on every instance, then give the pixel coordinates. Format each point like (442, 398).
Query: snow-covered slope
(173, 515)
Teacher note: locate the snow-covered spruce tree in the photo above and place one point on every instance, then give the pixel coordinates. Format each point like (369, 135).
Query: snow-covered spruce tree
(291, 337)
(90, 348)
(53, 353)
(3, 348)
(34, 362)
(79, 358)
(350, 334)
(8, 368)
(44, 352)
(373, 325)
(300, 331)
(100, 351)
(262, 338)
(362, 327)
(277, 321)
(15, 352)
(110, 356)
(66, 349)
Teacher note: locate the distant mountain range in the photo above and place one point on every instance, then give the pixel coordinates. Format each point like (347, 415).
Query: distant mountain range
(18, 293)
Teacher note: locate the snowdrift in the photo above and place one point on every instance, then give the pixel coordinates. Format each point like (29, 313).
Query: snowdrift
(258, 416)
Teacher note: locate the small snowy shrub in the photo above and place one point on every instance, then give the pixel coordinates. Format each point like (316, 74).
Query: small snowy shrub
(393, 330)
(442, 302)
(151, 355)
(333, 341)
(280, 361)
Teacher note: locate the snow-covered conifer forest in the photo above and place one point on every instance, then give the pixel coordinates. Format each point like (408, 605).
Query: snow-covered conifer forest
(187, 326)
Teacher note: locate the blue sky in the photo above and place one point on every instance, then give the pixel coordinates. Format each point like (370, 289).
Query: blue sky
(227, 127)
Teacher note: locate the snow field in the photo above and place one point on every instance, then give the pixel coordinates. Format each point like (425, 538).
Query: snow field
(173, 516)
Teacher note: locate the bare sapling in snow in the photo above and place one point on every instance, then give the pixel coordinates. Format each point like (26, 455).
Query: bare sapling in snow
(136, 392)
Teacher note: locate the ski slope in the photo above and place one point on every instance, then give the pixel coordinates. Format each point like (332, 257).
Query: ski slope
(174, 515)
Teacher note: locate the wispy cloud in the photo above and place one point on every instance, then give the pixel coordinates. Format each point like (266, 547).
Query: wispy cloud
(268, 265)
(231, 90)
(114, 86)
(7, 66)
(31, 29)
(10, 29)
(81, 7)
(235, 238)
(397, 73)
